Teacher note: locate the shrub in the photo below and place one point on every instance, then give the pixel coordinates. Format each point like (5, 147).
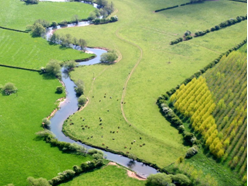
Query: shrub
(59, 89)
(79, 149)
(79, 89)
(37, 182)
(182, 179)
(188, 37)
(31, 1)
(8, 88)
(212, 29)
(108, 57)
(63, 23)
(54, 24)
(53, 68)
(46, 122)
(158, 179)
(77, 169)
(82, 100)
(69, 65)
(97, 156)
(45, 133)
(38, 30)
(181, 128)
(191, 152)
(94, 151)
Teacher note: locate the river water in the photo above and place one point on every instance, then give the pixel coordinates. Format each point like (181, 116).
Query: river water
(70, 106)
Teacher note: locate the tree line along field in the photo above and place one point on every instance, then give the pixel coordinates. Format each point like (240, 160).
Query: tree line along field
(146, 35)
(31, 52)
(16, 14)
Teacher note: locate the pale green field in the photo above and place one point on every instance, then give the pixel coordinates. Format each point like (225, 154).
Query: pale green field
(162, 67)
(22, 154)
(16, 14)
(31, 52)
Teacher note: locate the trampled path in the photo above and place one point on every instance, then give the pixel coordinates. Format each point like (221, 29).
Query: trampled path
(130, 74)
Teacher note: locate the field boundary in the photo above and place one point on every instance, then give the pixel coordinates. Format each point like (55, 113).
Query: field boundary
(15, 30)
(202, 71)
(19, 68)
(221, 26)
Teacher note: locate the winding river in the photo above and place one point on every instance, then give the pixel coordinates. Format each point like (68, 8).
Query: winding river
(70, 106)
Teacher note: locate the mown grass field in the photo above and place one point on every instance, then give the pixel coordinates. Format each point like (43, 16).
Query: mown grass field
(22, 155)
(146, 35)
(17, 15)
(105, 176)
(31, 52)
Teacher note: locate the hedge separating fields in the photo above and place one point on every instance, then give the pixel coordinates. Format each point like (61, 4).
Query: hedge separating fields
(171, 7)
(11, 29)
(222, 25)
(21, 68)
(200, 72)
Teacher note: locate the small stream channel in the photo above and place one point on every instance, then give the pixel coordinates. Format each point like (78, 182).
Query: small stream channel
(70, 106)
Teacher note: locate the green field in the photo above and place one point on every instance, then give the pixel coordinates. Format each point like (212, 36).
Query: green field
(105, 176)
(17, 15)
(146, 35)
(21, 114)
(31, 52)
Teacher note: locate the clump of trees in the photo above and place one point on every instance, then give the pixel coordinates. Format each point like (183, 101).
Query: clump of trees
(53, 69)
(82, 100)
(79, 87)
(104, 9)
(108, 57)
(8, 88)
(38, 29)
(67, 40)
(69, 65)
(159, 179)
(31, 1)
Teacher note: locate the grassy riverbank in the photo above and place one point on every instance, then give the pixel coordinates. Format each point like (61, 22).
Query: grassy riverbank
(109, 175)
(31, 52)
(146, 35)
(16, 14)
(21, 114)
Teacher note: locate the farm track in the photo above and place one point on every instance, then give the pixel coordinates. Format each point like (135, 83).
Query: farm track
(125, 87)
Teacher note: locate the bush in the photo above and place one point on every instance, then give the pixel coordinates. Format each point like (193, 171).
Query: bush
(53, 68)
(188, 37)
(31, 1)
(158, 179)
(182, 179)
(37, 182)
(191, 152)
(59, 89)
(38, 30)
(94, 151)
(69, 65)
(79, 89)
(46, 122)
(45, 133)
(63, 23)
(8, 88)
(82, 100)
(54, 24)
(77, 169)
(108, 57)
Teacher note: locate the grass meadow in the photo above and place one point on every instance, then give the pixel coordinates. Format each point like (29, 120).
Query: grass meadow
(17, 15)
(22, 155)
(31, 52)
(105, 176)
(142, 34)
